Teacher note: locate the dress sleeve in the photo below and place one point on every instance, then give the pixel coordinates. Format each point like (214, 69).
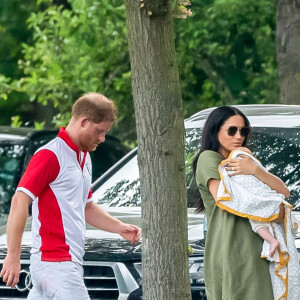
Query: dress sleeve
(207, 167)
(42, 169)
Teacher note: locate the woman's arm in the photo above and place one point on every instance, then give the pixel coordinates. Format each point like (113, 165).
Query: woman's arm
(213, 185)
(246, 166)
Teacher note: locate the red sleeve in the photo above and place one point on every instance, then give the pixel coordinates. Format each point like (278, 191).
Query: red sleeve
(42, 169)
(90, 194)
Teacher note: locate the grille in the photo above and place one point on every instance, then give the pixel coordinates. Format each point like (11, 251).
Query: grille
(104, 281)
(100, 281)
(9, 293)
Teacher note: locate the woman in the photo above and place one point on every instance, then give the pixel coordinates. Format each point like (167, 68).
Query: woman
(233, 269)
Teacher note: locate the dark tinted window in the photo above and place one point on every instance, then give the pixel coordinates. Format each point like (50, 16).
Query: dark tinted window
(277, 148)
(106, 155)
(10, 167)
(15, 155)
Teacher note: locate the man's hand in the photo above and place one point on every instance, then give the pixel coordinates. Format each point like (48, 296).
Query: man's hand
(10, 271)
(130, 232)
(14, 230)
(97, 217)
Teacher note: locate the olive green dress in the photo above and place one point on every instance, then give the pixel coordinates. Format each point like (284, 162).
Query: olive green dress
(233, 268)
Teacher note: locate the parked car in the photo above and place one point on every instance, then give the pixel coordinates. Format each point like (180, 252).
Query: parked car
(112, 266)
(17, 145)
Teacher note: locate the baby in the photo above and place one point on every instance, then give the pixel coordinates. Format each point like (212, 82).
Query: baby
(249, 197)
(261, 228)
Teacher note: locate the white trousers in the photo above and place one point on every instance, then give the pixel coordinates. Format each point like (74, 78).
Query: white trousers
(57, 281)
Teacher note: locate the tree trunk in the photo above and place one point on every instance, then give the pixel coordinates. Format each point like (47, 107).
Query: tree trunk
(288, 50)
(160, 132)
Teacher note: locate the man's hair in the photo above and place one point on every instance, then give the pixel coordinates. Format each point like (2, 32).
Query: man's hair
(96, 107)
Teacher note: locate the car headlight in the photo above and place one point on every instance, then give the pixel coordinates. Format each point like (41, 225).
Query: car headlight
(195, 269)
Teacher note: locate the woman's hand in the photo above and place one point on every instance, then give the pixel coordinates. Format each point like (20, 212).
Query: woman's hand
(244, 166)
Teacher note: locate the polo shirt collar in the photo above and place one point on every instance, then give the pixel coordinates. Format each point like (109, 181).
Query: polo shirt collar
(64, 136)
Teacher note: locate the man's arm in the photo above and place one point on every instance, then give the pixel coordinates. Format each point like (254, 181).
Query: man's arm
(97, 217)
(14, 230)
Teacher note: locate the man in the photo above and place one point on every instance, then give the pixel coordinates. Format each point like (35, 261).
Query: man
(57, 182)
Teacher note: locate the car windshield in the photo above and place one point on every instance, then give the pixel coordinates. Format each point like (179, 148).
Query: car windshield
(278, 149)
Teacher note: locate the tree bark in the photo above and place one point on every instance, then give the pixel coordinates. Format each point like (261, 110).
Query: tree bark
(288, 50)
(160, 132)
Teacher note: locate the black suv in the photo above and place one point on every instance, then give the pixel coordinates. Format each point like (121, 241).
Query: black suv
(112, 267)
(17, 145)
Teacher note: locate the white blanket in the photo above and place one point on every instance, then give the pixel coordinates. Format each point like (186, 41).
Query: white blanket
(248, 197)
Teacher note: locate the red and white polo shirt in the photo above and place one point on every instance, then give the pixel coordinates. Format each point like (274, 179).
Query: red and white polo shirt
(58, 179)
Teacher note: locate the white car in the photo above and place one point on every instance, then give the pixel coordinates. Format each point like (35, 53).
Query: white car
(112, 267)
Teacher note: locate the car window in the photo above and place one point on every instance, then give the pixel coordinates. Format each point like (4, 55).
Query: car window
(106, 155)
(277, 148)
(39, 139)
(10, 166)
(14, 157)
(121, 189)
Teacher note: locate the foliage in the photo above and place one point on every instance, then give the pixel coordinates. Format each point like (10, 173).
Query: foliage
(76, 51)
(226, 55)
(179, 9)
(13, 32)
(13, 16)
(16, 122)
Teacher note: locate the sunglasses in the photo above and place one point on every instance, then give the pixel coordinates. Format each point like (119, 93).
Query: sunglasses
(232, 130)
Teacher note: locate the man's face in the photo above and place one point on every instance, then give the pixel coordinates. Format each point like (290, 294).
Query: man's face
(92, 134)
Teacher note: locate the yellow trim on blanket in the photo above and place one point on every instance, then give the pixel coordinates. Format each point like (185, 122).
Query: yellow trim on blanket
(288, 204)
(284, 256)
(229, 198)
(224, 198)
(256, 218)
(223, 162)
(283, 262)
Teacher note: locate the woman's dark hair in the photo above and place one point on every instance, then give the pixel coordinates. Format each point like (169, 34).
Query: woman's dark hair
(210, 140)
